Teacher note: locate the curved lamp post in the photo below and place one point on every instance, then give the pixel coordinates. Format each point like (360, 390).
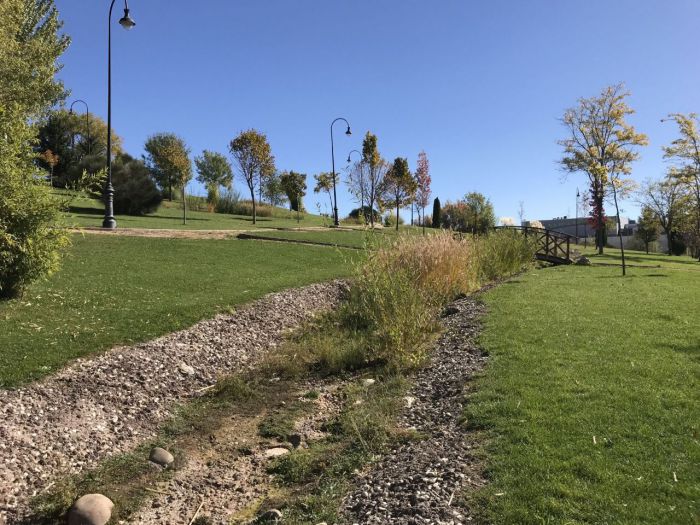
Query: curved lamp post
(336, 222)
(362, 186)
(87, 117)
(127, 23)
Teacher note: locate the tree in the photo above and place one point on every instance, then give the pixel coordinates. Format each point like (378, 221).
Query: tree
(66, 135)
(51, 159)
(602, 145)
(665, 200)
(30, 46)
(214, 171)
(474, 213)
(376, 169)
(423, 181)
(294, 186)
(324, 183)
(398, 187)
(254, 160)
(436, 219)
(135, 192)
(272, 190)
(168, 159)
(357, 183)
(685, 153)
(648, 227)
(521, 212)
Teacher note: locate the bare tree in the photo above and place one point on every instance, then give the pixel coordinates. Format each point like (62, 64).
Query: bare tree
(521, 212)
(665, 200)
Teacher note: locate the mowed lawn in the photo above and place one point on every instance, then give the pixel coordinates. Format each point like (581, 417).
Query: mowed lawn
(114, 290)
(591, 398)
(84, 212)
(356, 238)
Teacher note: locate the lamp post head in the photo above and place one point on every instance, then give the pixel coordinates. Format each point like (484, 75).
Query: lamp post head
(348, 159)
(126, 21)
(348, 132)
(70, 111)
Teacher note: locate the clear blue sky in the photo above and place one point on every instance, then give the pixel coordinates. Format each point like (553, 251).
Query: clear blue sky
(478, 85)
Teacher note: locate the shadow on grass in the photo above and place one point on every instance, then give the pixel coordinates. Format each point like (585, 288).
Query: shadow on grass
(691, 350)
(81, 209)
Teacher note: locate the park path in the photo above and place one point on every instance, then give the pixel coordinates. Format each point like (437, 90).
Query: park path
(104, 405)
(182, 234)
(424, 481)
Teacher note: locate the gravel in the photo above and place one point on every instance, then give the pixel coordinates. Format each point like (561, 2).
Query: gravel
(420, 482)
(104, 405)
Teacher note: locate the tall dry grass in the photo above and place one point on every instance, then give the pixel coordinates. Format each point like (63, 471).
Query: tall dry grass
(399, 289)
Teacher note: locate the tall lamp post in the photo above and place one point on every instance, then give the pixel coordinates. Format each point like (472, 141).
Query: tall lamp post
(127, 23)
(87, 119)
(578, 195)
(336, 222)
(362, 187)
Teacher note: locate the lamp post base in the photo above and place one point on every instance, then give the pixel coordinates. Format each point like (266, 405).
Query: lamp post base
(109, 223)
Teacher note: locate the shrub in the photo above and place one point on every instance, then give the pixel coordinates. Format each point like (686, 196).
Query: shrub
(29, 244)
(503, 253)
(135, 193)
(390, 220)
(227, 202)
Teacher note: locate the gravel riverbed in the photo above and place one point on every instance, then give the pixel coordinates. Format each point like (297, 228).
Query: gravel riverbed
(104, 405)
(420, 482)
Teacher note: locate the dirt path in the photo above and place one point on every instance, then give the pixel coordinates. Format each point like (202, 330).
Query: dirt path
(107, 404)
(420, 481)
(179, 234)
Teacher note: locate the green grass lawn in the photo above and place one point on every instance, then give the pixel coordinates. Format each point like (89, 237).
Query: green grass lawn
(591, 400)
(83, 212)
(613, 256)
(353, 238)
(114, 290)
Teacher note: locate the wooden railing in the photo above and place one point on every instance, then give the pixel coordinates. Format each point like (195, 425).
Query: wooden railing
(552, 246)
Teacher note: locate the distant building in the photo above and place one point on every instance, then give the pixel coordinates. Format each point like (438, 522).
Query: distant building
(582, 228)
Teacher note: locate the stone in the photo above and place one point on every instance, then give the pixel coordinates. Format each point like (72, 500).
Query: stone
(583, 261)
(450, 310)
(161, 456)
(294, 440)
(186, 369)
(276, 452)
(91, 509)
(368, 382)
(409, 400)
(270, 516)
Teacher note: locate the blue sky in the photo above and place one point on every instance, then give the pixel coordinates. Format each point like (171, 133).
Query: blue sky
(478, 85)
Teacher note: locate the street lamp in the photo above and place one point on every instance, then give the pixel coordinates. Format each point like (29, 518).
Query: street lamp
(127, 23)
(87, 117)
(336, 222)
(362, 186)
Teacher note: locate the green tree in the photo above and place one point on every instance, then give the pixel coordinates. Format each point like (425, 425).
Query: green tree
(436, 218)
(135, 192)
(272, 190)
(666, 201)
(168, 159)
(294, 186)
(253, 157)
(601, 144)
(324, 183)
(66, 135)
(398, 187)
(685, 153)
(213, 171)
(474, 213)
(376, 169)
(648, 227)
(30, 46)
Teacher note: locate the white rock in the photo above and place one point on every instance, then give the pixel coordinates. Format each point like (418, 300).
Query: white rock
(368, 382)
(186, 369)
(91, 509)
(410, 400)
(276, 452)
(161, 456)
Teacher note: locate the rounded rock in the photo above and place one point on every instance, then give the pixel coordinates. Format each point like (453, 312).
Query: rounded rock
(91, 509)
(161, 456)
(276, 452)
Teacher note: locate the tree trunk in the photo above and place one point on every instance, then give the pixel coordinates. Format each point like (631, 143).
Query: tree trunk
(619, 230)
(397, 214)
(252, 198)
(184, 205)
(423, 221)
(170, 189)
(647, 246)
